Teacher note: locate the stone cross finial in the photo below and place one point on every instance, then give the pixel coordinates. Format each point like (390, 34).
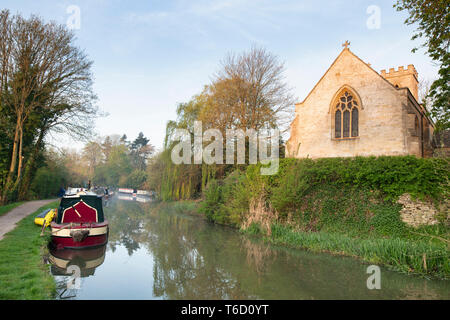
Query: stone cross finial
(346, 44)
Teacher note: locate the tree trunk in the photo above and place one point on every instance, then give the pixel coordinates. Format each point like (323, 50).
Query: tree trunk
(12, 168)
(19, 168)
(29, 168)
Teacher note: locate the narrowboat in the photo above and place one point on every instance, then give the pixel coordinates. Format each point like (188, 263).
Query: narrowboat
(80, 223)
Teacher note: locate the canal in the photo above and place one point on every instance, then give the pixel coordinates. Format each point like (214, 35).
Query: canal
(156, 252)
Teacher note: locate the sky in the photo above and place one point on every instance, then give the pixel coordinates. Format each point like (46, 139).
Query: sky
(151, 55)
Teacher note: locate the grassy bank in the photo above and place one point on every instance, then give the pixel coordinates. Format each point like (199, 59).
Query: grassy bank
(342, 206)
(23, 274)
(6, 208)
(402, 255)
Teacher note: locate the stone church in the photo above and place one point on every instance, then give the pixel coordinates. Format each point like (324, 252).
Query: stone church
(355, 111)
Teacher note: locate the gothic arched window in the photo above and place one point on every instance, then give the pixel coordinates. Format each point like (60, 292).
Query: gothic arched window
(346, 116)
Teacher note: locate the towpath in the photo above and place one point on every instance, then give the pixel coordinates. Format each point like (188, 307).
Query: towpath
(8, 221)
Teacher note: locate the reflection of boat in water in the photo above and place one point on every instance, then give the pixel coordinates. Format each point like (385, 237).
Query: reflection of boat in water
(80, 222)
(128, 197)
(142, 199)
(87, 260)
(137, 198)
(135, 194)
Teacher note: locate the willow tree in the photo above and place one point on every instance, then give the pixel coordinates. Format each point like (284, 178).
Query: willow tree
(45, 78)
(248, 92)
(176, 181)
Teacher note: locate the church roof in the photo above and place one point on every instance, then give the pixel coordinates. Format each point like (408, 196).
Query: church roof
(345, 50)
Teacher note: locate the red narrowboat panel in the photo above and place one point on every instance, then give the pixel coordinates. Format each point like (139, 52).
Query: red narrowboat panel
(80, 212)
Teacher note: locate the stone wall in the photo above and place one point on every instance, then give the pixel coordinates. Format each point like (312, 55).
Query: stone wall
(441, 153)
(442, 144)
(416, 213)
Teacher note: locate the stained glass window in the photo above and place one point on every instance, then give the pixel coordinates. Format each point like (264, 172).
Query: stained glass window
(346, 116)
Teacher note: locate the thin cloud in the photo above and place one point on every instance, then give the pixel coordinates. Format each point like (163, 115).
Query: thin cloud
(245, 18)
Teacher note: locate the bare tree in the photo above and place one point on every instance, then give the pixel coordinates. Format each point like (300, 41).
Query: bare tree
(250, 92)
(46, 75)
(424, 90)
(5, 50)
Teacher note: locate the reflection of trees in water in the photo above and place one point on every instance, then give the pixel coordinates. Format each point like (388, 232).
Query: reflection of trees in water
(125, 225)
(414, 293)
(186, 263)
(196, 260)
(186, 266)
(257, 255)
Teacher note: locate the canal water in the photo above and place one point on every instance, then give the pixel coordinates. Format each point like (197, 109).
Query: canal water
(156, 252)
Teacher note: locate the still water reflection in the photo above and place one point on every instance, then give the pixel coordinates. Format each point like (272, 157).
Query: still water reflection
(157, 253)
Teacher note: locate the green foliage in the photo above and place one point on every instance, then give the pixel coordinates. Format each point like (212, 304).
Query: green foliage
(355, 196)
(120, 163)
(391, 176)
(182, 181)
(174, 182)
(440, 95)
(253, 229)
(136, 179)
(225, 202)
(212, 203)
(49, 179)
(117, 166)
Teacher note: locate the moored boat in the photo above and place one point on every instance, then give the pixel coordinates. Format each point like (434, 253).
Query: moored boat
(80, 223)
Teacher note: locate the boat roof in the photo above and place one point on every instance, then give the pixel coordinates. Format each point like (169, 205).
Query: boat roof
(79, 193)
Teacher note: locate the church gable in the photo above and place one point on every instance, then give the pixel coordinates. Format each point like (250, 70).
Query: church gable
(347, 66)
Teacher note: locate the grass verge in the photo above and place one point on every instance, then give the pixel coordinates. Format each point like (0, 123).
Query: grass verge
(6, 208)
(23, 275)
